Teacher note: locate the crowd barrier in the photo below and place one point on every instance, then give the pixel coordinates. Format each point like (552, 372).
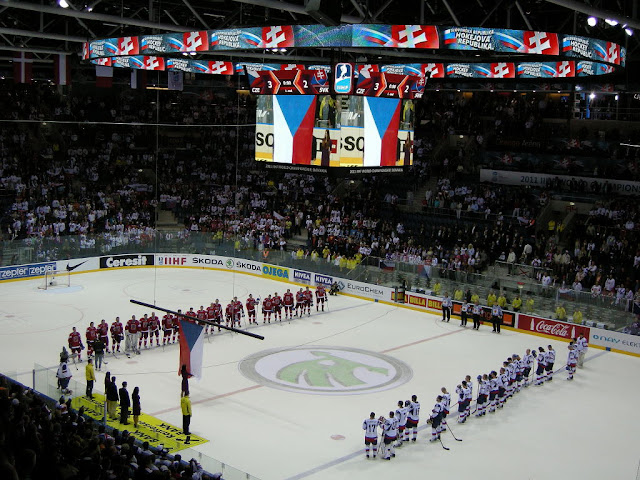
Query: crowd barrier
(532, 324)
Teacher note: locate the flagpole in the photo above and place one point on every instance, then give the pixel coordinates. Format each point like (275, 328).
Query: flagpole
(196, 320)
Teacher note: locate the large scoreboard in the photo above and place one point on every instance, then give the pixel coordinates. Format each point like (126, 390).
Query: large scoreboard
(291, 82)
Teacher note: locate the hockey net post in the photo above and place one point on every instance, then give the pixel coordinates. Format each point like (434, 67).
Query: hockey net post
(55, 279)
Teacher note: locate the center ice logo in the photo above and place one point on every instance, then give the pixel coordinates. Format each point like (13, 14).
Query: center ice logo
(325, 370)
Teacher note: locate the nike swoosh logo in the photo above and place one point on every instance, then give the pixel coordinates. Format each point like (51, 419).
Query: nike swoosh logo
(69, 267)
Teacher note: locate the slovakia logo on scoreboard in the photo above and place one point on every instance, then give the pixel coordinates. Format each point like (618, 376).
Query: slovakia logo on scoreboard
(343, 75)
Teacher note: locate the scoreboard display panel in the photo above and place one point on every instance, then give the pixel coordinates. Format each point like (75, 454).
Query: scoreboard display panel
(290, 82)
(389, 85)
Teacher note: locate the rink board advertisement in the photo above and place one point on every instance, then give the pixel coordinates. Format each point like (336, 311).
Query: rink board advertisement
(26, 271)
(615, 341)
(567, 331)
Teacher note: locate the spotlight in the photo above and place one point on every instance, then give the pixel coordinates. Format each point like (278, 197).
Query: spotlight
(63, 3)
(592, 21)
(592, 96)
(611, 22)
(617, 97)
(628, 31)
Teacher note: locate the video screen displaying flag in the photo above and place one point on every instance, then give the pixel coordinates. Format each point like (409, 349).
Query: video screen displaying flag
(335, 130)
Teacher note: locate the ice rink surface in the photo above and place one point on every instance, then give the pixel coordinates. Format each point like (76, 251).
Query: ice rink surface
(582, 429)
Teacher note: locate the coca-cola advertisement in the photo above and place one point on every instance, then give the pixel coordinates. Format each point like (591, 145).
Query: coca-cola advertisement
(551, 327)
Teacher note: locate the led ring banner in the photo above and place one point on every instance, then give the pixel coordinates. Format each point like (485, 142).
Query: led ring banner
(556, 55)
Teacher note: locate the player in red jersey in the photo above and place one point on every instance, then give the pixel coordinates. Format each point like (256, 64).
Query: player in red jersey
(251, 309)
(228, 312)
(175, 321)
(267, 309)
(287, 303)
(308, 301)
(217, 315)
(191, 313)
(144, 332)
(132, 329)
(277, 306)
(299, 302)
(91, 336)
(117, 331)
(103, 333)
(238, 311)
(167, 328)
(75, 343)
(321, 296)
(211, 317)
(154, 329)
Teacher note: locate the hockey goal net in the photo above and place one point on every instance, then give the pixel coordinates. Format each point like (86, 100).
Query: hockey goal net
(55, 279)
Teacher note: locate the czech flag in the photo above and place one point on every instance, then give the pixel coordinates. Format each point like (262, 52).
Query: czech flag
(191, 347)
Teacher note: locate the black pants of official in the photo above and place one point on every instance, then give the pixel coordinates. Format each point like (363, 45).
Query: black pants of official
(446, 314)
(496, 323)
(90, 388)
(476, 321)
(186, 421)
(463, 318)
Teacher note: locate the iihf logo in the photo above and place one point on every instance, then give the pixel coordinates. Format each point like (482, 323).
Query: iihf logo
(343, 75)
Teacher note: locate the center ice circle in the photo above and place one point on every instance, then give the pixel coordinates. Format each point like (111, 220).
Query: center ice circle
(323, 370)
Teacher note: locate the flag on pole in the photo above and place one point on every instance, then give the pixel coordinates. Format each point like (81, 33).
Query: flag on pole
(22, 67)
(104, 76)
(191, 347)
(62, 70)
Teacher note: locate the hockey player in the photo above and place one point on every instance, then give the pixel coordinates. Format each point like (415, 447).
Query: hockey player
(91, 336)
(446, 403)
(201, 314)
(321, 296)
(519, 371)
(308, 301)
(251, 309)
(277, 307)
(572, 360)
(117, 332)
(131, 343)
(542, 365)
(211, 316)
(468, 396)
(435, 418)
(581, 345)
(390, 428)
(477, 312)
(175, 324)
(414, 417)
(550, 358)
(103, 333)
(494, 390)
(154, 329)
(238, 311)
(370, 427)
(217, 315)
(167, 328)
(462, 401)
(483, 393)
(511, 375)
(401, 415)
(299, 302)
(287, 302)
(75, 344)
(267, 309)
(464, 309)
(527, 362)
(228, 313)
(144, 332)
(502, 379)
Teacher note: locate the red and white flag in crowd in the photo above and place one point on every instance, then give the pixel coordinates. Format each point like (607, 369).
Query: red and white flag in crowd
(104, 76)
(22, 67)
(61, 70)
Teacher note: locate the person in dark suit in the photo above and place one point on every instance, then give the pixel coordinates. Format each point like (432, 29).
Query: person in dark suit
(135, 407)
(125, 403)
(111, 392)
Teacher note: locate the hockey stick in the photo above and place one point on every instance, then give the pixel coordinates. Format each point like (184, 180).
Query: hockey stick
(451, 432)
(446, 448)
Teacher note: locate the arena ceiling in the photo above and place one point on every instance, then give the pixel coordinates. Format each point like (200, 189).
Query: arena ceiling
(45, 28)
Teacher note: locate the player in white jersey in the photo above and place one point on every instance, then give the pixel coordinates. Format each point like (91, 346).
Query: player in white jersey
(581, 346)
(414, 417)
(503, 380)
(401, 415)
(494, 390)
(527, 362)
(469, 396)
(370, 427)
(483, 394)
(511, 369)
(542, 364)
(550, 357)
(572, 360)
(390, 428)
(461, 390)
(519, 370)
(446, 403)
(435, 419)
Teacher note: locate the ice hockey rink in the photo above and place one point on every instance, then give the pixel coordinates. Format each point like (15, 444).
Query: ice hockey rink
(583, 429)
